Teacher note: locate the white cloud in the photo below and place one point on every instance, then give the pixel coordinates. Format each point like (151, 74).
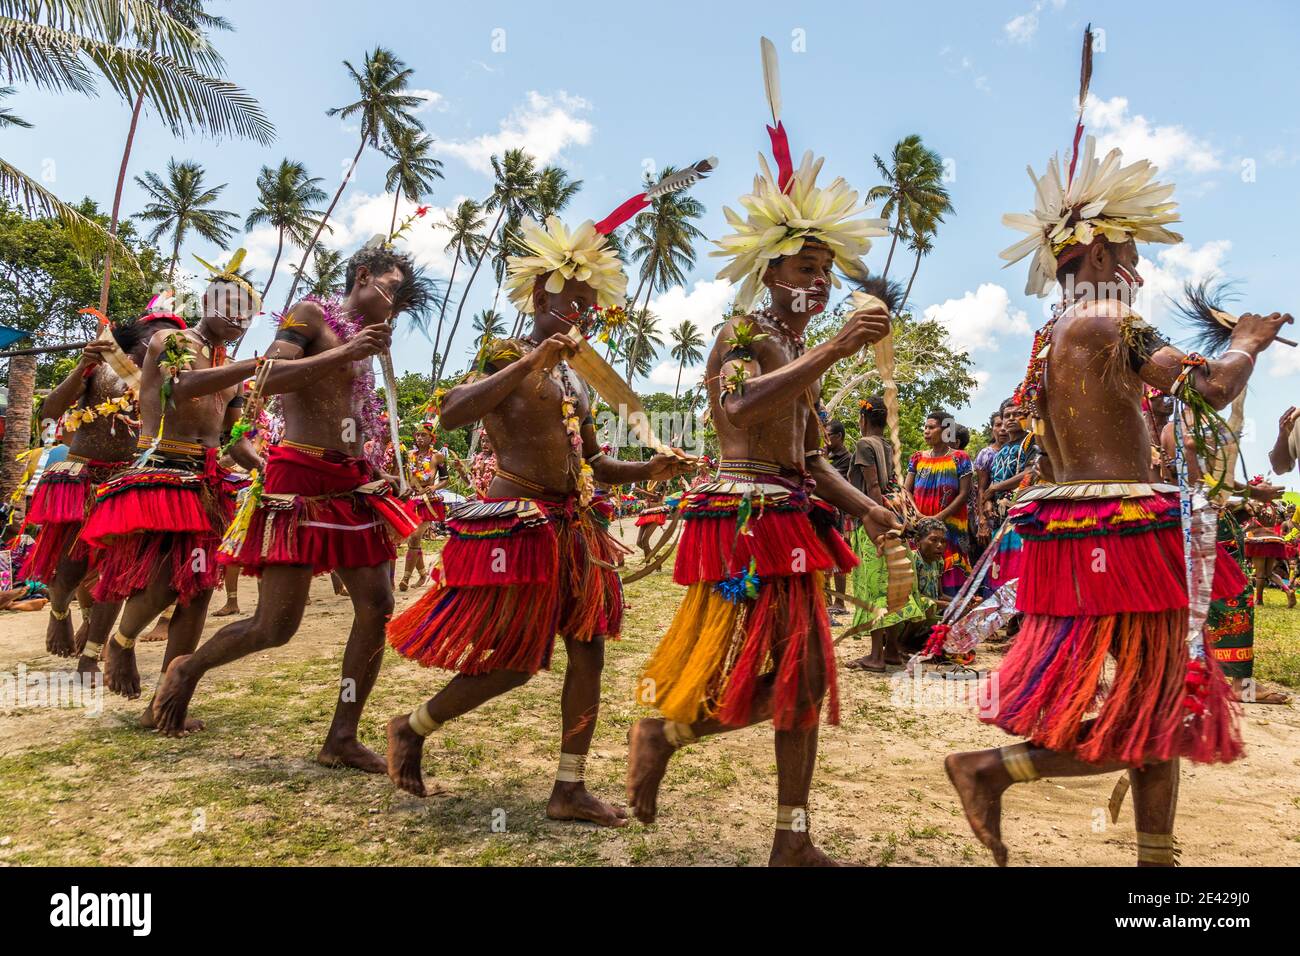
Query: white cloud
(545, 125)
(1174, 266)
(433, 100)
(1021, 29)
(704, 305)
(978, 318)
(1168, 147)
(665, 374)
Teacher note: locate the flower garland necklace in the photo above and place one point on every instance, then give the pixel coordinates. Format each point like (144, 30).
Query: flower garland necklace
(123, 407)
(584, 478)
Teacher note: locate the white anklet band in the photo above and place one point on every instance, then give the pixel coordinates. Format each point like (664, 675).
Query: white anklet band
(678, 734)
(60, 617)
(124, 642)
(1157, 848)
(573, 768)
(792, 818)
(92, 650)
(1016, 759)
(421, 722)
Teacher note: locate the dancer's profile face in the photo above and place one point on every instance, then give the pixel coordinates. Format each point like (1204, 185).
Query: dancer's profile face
(227, 309)
(801, 283)
(375, 296)
(555, 311)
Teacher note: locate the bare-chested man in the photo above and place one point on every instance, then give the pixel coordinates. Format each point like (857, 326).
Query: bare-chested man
(1102, 571)
(532, 558)
(427, 474)
(157, 525)
(751, 641)
(97, 449)
(323, 507)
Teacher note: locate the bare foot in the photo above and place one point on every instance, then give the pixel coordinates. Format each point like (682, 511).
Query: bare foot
(121, 675)
(172, 700)
(648, 752)
(571, 801)
(981, 797)
(158, 632)
(421, 580)
(226, 610)
(83, 632)
(88, 668)
(402, 586)
(350, 753)
(405, 748)
(35, 604)
(874, 664)
(150, 722)
(59, 638)
(791, 849)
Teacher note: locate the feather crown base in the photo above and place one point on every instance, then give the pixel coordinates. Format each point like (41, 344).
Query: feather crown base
(559, 255)
(778, 222)
(1104, 198)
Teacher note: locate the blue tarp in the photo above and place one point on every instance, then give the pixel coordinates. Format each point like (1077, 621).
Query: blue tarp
(9, 336)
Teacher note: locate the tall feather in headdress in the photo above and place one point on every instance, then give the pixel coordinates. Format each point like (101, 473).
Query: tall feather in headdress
(1085, 80)
(776, 132)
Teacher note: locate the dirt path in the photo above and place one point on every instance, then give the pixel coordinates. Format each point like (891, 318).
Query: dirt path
(80, 790)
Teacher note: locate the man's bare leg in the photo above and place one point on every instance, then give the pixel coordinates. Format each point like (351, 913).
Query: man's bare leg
(182, 638)
(406, 733)
(121, 675)
(796, 757)
(231, 579)
(980, 777)
(371, 590)
(579, 707)
(1155, 802)
(59, 636)
(408, 564)
(282, 595)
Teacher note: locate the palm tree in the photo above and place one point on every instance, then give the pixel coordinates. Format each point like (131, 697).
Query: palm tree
(382, 107)
(183, 203)
(642, 343)
(327, 272)
(913, 192)
(687, 348)
(664, 239)
(488, 325)
(7, 116)
(413, 170)
(922, 244)
(516, 178)
(467, 239)
(286, 197)
(554, 191)
(148, 52)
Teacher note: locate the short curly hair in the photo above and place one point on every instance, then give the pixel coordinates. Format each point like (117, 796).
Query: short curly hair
(928, 526)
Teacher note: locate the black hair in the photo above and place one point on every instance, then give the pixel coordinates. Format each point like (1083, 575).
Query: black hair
(875, 414)
(128, 334)
(963, 437)
(836, 427)
(940, 416)
(928, 526)
(414, 295)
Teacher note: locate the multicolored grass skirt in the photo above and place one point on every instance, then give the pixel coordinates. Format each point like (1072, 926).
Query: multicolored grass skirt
(167, 514)
(428, 507)
(652, 516)
(60, 505)
(1266, 546)
(516, 572)
(311, 512)
(1103, 576)
(754, 614)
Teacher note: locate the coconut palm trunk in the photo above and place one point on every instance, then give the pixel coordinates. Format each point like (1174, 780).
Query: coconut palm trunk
(117, 201)
(275, 264)
(18, 422)
(451, 336)
(908, 292)
(897, 231)
(437, 335)
(306, 253)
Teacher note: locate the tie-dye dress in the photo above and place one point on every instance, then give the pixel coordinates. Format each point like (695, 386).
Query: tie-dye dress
(936, 483)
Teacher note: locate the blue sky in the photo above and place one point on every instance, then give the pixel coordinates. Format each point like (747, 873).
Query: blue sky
(605, 89)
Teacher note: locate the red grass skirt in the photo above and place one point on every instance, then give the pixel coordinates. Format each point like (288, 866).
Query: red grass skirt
(1255, 548)
(656, 518)
(827, 522)
(60, 504)
(317, 520)
(1104, 578)
(515, 573)
(149, 518)
(722, 644)
(428, 508)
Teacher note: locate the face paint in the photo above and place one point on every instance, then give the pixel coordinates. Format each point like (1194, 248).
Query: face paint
(817, 292)
(1129, 279)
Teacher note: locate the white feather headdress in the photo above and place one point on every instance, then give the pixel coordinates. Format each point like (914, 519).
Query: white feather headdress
(1104, 198)
(583, 254)
(777, 223)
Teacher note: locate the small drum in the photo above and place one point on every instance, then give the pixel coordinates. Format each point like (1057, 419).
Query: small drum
(898, 565)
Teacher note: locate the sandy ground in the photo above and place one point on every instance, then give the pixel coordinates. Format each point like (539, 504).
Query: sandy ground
(80, 790)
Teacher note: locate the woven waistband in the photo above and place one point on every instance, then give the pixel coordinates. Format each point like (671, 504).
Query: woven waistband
(170, 446)
(1095, 489)
(749, 466)
(314, 450)
(531, 485)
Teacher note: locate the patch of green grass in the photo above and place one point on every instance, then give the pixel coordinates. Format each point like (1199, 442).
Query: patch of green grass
(1277, 641)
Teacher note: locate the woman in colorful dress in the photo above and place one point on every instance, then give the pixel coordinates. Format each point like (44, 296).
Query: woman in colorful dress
(939, 482)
